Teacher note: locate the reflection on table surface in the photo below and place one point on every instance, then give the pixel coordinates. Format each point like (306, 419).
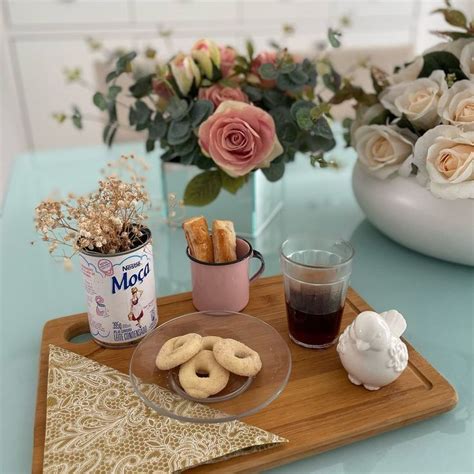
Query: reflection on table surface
(435, 297)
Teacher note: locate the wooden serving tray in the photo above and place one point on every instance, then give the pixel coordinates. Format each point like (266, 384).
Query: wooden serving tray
(318, 410)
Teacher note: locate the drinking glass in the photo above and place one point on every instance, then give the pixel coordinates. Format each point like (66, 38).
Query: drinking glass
(316, 274)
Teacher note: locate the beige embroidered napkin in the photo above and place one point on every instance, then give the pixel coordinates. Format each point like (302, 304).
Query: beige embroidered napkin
(96, 423)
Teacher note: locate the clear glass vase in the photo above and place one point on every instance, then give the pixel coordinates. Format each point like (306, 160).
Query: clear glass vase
(251, 209)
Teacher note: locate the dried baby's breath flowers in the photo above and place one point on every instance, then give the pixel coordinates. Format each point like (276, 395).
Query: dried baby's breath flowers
(108, 221)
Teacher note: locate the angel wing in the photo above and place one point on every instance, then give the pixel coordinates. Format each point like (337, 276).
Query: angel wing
(398, 353)
(396, 322)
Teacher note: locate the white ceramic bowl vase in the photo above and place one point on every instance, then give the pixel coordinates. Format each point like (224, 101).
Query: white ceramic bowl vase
(409, 214)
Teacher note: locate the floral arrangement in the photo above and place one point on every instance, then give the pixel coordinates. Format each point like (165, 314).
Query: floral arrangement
(226, 113)
(107, 221)
(420, 120)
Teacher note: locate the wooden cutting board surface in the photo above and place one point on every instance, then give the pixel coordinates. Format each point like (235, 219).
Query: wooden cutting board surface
(318, 410)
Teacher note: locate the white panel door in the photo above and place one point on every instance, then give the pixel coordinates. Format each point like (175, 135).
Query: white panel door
(41, 69)
(65, 12)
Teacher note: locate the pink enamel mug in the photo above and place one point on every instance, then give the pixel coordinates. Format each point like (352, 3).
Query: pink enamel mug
(224, 286)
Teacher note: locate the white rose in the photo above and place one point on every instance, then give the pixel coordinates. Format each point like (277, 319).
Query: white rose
(382, 149)
(454, 47)
(445, 159)
(408, 73)
(466, 60)
(364, 116)
(417, 100)
(456, 105)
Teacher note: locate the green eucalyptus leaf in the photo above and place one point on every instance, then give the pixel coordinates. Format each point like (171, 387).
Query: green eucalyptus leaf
(186, 147)
(284, 82)
(200, 111)
(109, 132)
(76, 118)
(287, 67)
(112, 136)
(187, 159)
(105, 132)
(143, 112)
(274, 172)
(268, 71)
(114, 91)
(179, 131)
(150, 145)
(132, 116)
(281, 116)
(157, 129)
(112, 111)
(298, 76)
(177, 108)
(230, 184)
(333, 38)
(307, 66)
(99, 101)
(283, 158)
(317, 143)
(168, 155)
(288, 133)
(142, 87)
(111, 76)
(332, 80)
(123, 62)
(254, 93)
(273, 98)
(299, 104)
(203, 188)
(303, 118)
(322, 129)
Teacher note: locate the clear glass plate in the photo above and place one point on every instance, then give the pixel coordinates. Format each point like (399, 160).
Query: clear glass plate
(242, 396)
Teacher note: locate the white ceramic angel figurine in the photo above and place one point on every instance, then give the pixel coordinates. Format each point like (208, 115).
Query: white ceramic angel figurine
(371, 350)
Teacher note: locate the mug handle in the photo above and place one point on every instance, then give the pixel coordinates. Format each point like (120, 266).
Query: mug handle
(257, 254)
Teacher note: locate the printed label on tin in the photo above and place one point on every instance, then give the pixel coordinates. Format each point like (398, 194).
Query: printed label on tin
(120, 295)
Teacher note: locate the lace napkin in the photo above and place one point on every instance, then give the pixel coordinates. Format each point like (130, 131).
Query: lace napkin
(96, 423)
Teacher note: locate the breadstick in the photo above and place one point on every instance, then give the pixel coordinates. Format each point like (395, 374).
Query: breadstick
(199, 240)
(224, 241)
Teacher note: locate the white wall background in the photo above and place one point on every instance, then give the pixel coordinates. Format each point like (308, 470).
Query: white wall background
(41, 37)
(12, 135)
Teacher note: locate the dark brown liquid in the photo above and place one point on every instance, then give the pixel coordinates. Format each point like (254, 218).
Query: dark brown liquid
(313, 329)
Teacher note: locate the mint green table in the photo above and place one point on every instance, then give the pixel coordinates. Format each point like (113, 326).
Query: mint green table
(435, 297)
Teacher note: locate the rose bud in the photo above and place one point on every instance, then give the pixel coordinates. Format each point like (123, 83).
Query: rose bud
(185, 72)
(207, 54)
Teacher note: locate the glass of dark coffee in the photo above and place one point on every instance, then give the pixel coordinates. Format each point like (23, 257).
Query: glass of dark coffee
(316, 273)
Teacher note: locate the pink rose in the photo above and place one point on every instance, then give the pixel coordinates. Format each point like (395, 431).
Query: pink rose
(218, 94)
(239, 138)
(228, 56)
(266, 57)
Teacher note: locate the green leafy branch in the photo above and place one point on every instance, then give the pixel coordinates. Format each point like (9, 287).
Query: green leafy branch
(457, 19)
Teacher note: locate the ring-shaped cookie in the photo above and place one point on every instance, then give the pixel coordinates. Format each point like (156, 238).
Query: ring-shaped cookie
(178, 350)
(209, 341)
(202, 376)
(237, 357)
